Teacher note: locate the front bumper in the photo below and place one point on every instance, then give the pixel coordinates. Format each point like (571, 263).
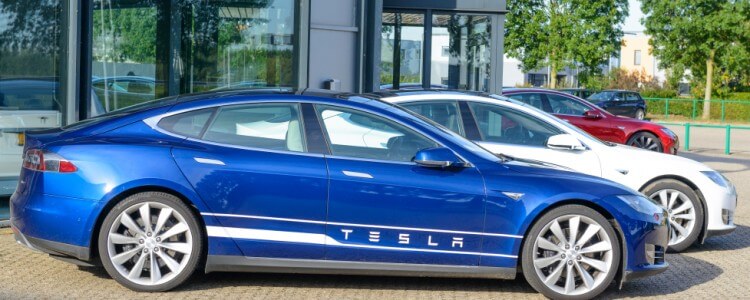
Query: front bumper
(721, 204)
(646, 256)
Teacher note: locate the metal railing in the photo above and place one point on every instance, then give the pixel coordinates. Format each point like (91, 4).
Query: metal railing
(721, 110)
(727, 133)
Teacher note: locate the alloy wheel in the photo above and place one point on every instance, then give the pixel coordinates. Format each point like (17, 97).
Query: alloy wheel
(149, 243)
(573, 255)
(680, 212)
(646, 142)
(640, 115)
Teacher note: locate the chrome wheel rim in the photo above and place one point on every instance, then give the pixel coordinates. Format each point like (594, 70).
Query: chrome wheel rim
(573, 255)
(645, 142)
(149, 243)
(680, 213)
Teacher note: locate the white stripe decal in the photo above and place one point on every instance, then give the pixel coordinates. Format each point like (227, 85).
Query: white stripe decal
(361, 225)
(316, 239)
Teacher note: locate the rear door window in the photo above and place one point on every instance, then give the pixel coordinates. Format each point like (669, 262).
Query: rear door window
(265, 126)
(442, 112)
(189, 124)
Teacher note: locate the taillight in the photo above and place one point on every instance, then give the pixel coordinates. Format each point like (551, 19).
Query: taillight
(39, 160)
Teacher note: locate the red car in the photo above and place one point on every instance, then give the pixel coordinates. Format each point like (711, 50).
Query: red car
(598, 122)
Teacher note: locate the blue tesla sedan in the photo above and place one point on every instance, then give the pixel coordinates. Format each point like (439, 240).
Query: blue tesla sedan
(309, 182)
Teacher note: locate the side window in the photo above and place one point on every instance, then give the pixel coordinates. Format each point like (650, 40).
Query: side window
(632, 97)
(532, 99)
(619, 97)
(188, 124)
(566, 106)
(502, 125)
(444, 113)
(362, 135)
(266, 126)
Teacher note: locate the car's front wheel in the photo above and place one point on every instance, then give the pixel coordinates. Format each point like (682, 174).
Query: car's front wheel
(645, 140)
(684, 210)
(640, 114)
(150, 242)
(572, 252)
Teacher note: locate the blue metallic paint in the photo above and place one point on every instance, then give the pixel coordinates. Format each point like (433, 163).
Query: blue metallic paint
(312, 195)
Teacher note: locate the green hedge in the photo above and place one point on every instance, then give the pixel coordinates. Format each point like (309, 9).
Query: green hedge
(734, 110)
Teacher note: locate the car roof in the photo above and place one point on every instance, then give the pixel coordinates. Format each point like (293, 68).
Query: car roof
(388, 94)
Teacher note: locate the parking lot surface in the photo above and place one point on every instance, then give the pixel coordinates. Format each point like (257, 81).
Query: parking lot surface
(717, 269)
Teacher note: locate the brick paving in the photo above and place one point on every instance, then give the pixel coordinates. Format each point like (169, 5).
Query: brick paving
(718, 269)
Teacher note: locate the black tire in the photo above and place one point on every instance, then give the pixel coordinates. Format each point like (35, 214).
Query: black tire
(671, 184)
(640, 114)
(527, 254)
(646, 140)
(178, 206)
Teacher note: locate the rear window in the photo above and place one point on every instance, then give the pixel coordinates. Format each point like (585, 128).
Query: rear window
(28, 99)
(188, 124)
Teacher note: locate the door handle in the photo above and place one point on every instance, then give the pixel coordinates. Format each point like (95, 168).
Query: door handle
(357, 174)
(209, 161)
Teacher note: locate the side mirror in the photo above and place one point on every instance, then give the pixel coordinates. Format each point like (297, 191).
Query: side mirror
(592, 115)
(564, 142)
(437, 158)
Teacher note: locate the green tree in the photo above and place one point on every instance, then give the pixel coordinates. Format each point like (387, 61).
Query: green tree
(561, 33)
(696, 34)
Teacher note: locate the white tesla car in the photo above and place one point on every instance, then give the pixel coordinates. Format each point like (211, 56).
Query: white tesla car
(700, 201)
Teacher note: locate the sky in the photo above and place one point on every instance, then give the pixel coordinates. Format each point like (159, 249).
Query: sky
(633, 22)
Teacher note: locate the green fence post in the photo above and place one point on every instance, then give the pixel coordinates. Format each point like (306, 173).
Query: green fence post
(726, 145)
(722, 111)
(666, 108)
(695, 103)
(687, 136)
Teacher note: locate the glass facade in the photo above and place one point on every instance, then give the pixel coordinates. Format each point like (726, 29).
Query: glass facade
(32, 64)
(143, 50)
(405, 32)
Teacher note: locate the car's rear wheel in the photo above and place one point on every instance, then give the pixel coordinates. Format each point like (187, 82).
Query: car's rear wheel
(646, 140)
(640, 114)
(150, 242)
(684, 210)
(572, 252)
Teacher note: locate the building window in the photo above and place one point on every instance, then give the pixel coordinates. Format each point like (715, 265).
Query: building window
(402, 44)
(467, 63)
(145, 49)
(637, 59)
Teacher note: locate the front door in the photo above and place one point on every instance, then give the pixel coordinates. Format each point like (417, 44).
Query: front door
(252, 168)
(385, 208)
(520, 135)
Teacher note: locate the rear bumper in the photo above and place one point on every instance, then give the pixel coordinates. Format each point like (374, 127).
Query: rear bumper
(51, 247)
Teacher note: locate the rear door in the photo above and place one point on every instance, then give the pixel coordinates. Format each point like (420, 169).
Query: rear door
(632, 100)
(252, 166)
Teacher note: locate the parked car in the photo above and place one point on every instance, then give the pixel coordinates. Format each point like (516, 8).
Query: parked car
(599, 122)
(26, 104)
(620, 102)
(700, 201)
(578, 92)
(123, 91)
(309, 199)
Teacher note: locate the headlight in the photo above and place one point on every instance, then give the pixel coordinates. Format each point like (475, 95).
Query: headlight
(717, 178)
(668, 132)
(641, 204)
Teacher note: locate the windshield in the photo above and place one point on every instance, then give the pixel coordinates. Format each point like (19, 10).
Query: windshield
(559, 122)
(602, 96)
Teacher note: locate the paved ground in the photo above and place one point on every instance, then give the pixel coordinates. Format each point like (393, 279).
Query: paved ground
(718, 269)
(714, 140)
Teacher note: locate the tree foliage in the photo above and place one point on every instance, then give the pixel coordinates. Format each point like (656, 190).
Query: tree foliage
(561, 33)
(700, 35)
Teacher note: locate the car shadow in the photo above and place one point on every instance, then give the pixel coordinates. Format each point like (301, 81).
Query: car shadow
(722, 163)
(683, 273)
(739, 239)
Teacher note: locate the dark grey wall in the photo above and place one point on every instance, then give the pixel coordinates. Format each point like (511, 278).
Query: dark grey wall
(334, 43)
(496, 6)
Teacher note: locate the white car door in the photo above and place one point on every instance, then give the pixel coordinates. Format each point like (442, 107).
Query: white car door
(518, 134)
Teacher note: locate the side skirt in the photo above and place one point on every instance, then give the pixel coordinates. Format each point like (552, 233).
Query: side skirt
(228, 263)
